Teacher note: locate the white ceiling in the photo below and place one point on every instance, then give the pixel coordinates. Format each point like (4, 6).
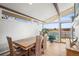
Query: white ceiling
(64, 6)
(40, 11)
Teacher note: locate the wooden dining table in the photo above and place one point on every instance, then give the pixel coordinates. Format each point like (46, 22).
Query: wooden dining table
(25, 43)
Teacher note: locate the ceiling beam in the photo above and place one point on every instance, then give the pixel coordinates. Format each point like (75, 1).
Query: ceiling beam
(63, 13)
(20, 13)
(57, 8)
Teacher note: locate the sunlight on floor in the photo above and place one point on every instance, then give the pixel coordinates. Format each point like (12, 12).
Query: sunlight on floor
(55, 49)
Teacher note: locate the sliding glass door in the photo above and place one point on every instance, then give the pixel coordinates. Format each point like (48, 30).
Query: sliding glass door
(66, 31)
(53, 31)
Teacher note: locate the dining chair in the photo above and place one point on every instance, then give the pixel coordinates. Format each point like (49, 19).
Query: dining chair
(44, 43)
(36, 50)
(15, 51)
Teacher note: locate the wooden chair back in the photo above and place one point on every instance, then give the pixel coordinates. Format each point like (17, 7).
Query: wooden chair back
(38, 45)
(11, 48)
(45, 42)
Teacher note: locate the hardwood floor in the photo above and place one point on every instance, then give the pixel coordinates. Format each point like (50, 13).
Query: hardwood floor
(55, 49)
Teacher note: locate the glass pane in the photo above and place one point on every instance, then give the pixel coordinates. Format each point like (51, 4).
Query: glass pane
(66, 31)
(76, 9)
(53, 31)
(67, 18)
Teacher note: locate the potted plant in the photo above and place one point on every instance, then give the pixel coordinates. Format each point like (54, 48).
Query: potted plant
(45, 31)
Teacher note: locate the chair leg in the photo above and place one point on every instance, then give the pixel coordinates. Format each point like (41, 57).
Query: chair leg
(29, 52)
